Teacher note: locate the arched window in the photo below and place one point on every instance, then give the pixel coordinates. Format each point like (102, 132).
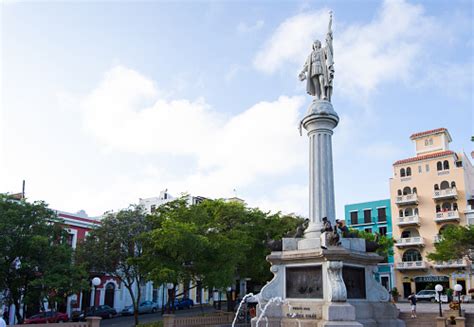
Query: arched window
(446, 164)
(436, 187)
(438, 208)
(416, 211)
(408, 212)
(399, 192)
(400, 213)
(406, 234)
(408, 171)
(406, 190)
(444, 185)
(446, 206)
(411, 255)
(455, 206)
(453, 184)
(402, 172)
(414, 190)
(439, 165)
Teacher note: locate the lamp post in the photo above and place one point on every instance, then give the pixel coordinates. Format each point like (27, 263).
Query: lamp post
(229, 299)
(439, 289)
(458, 288)
(96, 282)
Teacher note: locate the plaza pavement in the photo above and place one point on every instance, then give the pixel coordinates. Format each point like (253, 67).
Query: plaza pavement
(432, 307)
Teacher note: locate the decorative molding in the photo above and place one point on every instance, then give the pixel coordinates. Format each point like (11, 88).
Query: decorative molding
(337, 288)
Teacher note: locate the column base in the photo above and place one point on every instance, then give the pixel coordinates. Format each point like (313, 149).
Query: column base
(309, 243)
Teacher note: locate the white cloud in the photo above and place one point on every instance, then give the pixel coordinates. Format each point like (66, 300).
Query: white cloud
(228, 151)
(292, 198)
(243, 27)
(389, 48)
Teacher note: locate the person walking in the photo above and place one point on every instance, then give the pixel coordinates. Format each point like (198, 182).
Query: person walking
(2, 322)
(412, 299)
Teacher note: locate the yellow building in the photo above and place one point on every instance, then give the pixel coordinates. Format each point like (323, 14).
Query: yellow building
(429, 191)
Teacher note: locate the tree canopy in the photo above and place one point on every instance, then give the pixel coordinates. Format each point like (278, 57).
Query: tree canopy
(35, 259)
(456, 242)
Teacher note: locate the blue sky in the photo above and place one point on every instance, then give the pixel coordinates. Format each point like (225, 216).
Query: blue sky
(103, 103)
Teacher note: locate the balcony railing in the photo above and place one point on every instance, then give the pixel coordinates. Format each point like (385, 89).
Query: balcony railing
(410, 265)
(409, 241)
(448, 193)
(407, 199)
(408, 220)
(450, 264)
(443, 216)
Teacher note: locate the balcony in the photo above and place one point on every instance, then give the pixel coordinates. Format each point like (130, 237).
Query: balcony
(451, 264)
(408, 220)
(442, 217)
(410, 241)
(410, 265)
(403, 200)
(448, 193)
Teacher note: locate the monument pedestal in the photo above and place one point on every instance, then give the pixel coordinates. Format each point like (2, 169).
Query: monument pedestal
(325, 287)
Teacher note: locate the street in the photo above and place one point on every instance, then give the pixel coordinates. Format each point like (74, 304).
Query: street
(432, 307)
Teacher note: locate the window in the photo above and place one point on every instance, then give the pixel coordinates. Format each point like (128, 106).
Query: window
(459, 164)
(453, 184)
(439, 165)
(382, 214)
(438, 208)
(455, 206)
(402, 172)
(419, 169)
(415, 211)
(426, 142)
(446, 206)
(368, 230)
(446, 164)
(400, 213)
(408, 171)
(354, 218)
(411, 255)
(408, 212)
(431, 141)
(70, 239)
(153, 208)
(399, 192)
(414, 190)
(383, 230)
(427, 168)
(367, 216)
(406, 190)
(436, 187)
(444, 185)
(406, 234)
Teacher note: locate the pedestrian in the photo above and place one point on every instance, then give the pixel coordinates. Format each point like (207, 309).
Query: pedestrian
(412, 299)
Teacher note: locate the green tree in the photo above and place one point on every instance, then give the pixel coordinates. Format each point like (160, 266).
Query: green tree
(35, 259)
(213, 242)
(115, 248)
(456, 242)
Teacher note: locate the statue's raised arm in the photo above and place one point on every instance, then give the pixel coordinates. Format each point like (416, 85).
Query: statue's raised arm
(329, 59)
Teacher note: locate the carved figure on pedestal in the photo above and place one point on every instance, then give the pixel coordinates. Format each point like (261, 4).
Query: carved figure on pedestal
(329, 235)
(345, 231)
(318, 70)
(301, 228)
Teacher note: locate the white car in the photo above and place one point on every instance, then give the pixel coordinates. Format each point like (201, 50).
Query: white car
(427, 295)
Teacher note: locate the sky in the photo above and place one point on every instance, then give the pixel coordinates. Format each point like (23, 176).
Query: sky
(103, 103)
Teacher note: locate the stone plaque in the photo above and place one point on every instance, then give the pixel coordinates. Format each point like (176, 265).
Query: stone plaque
(354, 278)
(304, 282)
(302, 309)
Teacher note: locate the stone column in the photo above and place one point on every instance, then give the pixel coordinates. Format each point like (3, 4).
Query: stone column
(319, 122)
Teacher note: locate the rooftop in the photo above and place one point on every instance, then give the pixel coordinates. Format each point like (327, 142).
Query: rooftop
(426, 156)
(430, 132)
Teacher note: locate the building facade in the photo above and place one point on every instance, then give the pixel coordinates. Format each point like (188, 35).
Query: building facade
(428, 192)
(374, 217)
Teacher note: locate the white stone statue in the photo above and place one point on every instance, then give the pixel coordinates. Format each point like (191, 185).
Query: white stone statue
(318, 70)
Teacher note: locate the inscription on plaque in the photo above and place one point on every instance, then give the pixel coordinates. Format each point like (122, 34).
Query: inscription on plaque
(304, 282)
(354, 278)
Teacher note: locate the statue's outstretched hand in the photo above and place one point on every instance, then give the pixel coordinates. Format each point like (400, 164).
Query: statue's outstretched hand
(302, 76)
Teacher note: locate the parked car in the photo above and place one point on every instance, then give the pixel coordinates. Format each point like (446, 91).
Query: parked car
(47, 317)
(427, 295)
(183, 303)
(103, 311)
(144, 307)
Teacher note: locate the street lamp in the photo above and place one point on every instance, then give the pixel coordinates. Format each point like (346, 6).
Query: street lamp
(458, 288)
(96, 282)
(229, 299)
(439, 289)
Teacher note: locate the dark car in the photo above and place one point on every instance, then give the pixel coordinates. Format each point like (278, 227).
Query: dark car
(183, 303)
(103, 311)
(47, 317)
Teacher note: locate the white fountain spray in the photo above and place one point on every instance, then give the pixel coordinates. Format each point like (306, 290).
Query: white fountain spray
(277, 300)
(238, 309)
